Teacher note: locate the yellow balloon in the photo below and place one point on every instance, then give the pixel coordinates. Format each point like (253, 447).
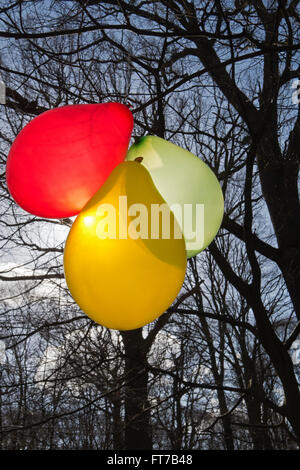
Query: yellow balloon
(124, 263)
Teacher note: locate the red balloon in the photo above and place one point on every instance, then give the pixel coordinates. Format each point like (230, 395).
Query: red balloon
(62, 157)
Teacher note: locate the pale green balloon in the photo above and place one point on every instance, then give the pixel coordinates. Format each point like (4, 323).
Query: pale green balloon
(189, 187)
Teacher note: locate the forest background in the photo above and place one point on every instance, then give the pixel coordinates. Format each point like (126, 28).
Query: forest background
(220, 368)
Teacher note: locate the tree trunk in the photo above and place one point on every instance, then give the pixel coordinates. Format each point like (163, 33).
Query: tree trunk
(117, 422)
(279, 178)
(137, 416)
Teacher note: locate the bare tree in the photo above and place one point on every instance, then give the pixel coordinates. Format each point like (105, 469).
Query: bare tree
(213, 77)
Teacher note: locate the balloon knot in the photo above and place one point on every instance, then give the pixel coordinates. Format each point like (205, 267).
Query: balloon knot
(139, 159)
